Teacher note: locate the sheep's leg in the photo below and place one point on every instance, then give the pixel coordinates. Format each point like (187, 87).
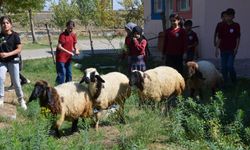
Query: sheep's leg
(192, 92)
(59, 123)
(74, 125)
(97, 121)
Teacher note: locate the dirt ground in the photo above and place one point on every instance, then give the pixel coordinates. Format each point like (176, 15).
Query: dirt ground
(8, 111)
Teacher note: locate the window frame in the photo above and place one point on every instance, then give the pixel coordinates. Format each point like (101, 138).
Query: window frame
(188, 3)
(157, 15)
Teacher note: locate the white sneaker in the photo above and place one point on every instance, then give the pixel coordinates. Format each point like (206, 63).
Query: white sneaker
(23, 104)
(1, 102)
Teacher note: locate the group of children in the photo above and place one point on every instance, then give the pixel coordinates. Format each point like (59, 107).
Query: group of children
(177, 42)
(180, 41)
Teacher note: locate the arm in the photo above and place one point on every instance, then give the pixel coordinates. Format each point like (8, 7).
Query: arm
(217, 48)
(237, 41)
(15, 52)
(75, 43)
(140, 46)
(59, 47)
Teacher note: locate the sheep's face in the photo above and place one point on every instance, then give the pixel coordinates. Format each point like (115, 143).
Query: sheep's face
(192, 71)
(136, 78)
(91, 75)
(39, 90)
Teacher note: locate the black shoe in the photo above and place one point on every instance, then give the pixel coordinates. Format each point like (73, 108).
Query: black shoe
(25, 81)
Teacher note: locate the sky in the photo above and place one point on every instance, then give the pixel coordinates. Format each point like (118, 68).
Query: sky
(116, 6)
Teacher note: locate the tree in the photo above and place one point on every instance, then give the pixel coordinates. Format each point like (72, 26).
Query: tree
(63, 12)
(86, 11)
(133, 11)
(22, 6)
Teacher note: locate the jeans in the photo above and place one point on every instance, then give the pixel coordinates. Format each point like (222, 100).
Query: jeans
(227, 66)
(175, 61)
(64, 72)
(14, 75)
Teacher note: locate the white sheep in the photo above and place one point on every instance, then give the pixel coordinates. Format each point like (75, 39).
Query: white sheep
(200, 76)
(70, 100)
(107, 90)
(157, 84)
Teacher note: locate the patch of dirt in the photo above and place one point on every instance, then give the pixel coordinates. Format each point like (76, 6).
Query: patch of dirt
(8, 111)
(111, 136)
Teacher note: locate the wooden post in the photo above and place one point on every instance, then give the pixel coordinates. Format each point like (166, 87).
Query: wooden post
(34, 40)
(50, 43)
(91, 42)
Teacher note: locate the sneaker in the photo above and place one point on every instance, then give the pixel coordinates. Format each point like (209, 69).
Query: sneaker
(27, 81)
(23, 104)
(1, 102)
(10, 88)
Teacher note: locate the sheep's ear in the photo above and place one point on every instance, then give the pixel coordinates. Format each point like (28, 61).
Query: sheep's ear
(49, 95)
(146, 76)
(98, 77)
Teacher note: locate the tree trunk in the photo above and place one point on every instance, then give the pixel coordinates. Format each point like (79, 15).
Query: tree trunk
(34, 40)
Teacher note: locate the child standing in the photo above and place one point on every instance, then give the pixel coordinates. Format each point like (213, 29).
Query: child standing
(228, 44)
(175, 43)
(66, 48)
(192, 41)
(223, 14)
(137, 50)
(10, 48)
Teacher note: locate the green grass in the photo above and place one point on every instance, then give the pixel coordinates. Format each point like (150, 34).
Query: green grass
(222, 123)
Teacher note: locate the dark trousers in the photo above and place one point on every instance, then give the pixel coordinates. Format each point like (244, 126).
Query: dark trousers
(64, 72)
(175, 61)
(227, 66)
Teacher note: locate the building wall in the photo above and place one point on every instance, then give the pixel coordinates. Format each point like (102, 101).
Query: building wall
(206, 14)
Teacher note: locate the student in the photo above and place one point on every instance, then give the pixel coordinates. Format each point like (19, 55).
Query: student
(128, 28)
(66, 48)
(175, 44)
(137, 50)
(9, 50)
(223, 14)
(192, 41)
(228, 44)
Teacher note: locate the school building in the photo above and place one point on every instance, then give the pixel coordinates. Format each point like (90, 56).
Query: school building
(205, 14)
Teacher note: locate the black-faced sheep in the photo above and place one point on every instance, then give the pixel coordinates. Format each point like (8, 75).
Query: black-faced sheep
(70, 100)
(157, 84)
(200, 76)
(108, 89)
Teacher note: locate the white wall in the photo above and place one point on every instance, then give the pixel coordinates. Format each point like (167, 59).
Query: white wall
(206, 14)
(211, 10)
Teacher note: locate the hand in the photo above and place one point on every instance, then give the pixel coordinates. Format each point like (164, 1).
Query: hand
(235, 51)
(134, 38)
(4, 55)
(77, 51)
(216, 52)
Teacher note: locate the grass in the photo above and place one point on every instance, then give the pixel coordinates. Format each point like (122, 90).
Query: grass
(222, 123)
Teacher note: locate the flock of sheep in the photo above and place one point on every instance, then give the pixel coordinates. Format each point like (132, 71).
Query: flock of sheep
(99, 93)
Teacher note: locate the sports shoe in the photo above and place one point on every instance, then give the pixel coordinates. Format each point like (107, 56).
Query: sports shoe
(23, 104)
(25, 81)
(1, 102)
(10, 88)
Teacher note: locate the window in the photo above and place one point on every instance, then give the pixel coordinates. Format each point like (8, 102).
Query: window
(158, 6)
(171, 6)
(184, 5)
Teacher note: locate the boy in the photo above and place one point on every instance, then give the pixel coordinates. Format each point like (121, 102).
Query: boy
(228, 44)
(192, 41)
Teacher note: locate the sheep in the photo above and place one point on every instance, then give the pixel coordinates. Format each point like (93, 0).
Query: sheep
(157, 84)
(107, 90)
(202, 75)
(71, 100)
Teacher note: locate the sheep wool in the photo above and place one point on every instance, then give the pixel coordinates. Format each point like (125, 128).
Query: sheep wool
(71, 100)
(203, 75)
(108, 89)
(158, 83)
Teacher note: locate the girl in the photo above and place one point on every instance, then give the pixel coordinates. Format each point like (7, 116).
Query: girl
(10, 47)
(137, 50)
(175, 43)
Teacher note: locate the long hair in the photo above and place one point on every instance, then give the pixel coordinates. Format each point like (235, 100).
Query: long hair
(177, 17)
